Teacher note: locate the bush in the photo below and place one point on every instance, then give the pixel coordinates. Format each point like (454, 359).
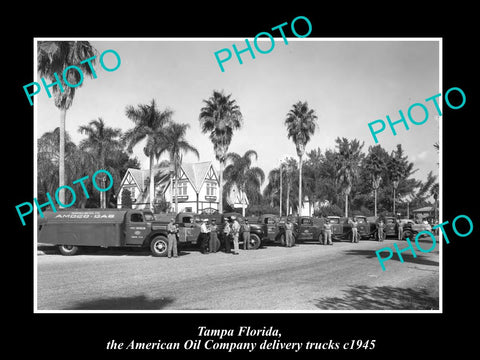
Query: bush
(329, 210)
(126, 199)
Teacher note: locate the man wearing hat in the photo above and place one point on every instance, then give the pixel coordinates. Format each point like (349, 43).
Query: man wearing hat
(204, 236)
(172, 238)
(289, 233)
(246, 235)
(327, 233)
(226, 235)
(235, 234)
(212, 245)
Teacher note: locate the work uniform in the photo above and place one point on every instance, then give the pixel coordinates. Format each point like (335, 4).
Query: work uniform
(172, 240)
(246, 235)
(354, 232)
(328, 234)
(235, 234)
(226, 236)
(380, 231)
(288, 234)
(400, 230)
(212, 245)
(204, 236)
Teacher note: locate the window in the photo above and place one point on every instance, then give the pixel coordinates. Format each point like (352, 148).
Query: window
(182, 189)
(136, 218)
(211, 189)
(149, 216)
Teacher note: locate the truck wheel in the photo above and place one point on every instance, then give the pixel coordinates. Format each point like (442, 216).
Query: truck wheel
(158, 246)
(407, 234)
(255, 242)
(68, 250)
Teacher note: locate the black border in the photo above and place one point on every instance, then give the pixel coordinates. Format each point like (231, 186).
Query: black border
(58, 335)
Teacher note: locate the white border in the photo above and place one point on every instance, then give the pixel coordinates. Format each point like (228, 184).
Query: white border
(155, 39)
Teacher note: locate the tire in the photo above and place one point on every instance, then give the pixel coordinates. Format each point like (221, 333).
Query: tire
(282, 240)
(321, 240)
(158, 246)
(68, 250)
(255, 242)
(407, 234)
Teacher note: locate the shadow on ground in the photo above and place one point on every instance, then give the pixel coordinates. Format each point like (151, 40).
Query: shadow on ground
(407, 258)
(140, 302)
(379, 298)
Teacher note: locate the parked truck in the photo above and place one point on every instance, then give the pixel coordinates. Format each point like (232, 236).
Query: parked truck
(75, 228)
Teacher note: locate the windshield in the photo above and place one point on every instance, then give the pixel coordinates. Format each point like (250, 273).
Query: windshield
(148, 216)
(334, 221)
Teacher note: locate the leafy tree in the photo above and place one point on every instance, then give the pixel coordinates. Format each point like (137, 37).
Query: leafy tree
(220, 117)
(100, 142)
(246, 177)
(53, 57)
(126, 199)
(150, 125)
(301, 124)
(349, 159)
(375, 166)
(176, 145)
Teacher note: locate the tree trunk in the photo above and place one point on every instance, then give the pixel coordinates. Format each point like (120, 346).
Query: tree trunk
(152, 184)
(300, 200)
(288, 199)
(375, 192)
(346, 205)
(280, 189)
(220, 188)
(176, 188)
(61, 160)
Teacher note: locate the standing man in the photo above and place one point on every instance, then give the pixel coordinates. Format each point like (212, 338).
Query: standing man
(400, 230)
(328, 232)
(235, 234)
(212, 245)
(226, 235)
(380, 231)
(354, 231)
(288, 233)
(246, 235)
(172, 239)
(204, 236)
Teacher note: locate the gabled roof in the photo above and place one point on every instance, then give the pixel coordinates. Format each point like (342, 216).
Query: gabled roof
(196, 173)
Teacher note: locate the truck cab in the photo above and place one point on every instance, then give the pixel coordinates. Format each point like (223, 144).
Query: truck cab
(309, 228)
(391, 227)
(272, 229)
(365, 228)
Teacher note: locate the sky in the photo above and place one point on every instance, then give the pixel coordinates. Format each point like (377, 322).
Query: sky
(348, 82)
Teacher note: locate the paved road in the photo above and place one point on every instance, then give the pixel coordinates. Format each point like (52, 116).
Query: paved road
(344, 276)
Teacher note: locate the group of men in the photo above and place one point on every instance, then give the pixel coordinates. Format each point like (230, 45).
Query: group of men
(209, 240)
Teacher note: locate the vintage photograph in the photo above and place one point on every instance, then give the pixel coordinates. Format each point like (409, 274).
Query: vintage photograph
(237, 175)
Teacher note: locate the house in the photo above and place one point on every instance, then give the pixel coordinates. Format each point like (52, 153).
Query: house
(197, 187)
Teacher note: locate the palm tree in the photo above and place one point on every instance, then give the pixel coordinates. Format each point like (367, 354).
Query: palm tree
(101, 141)
(349, 157)
(176, 145)
(246, 177)
(220, 116)
(53, 58)
(150, 125)
(301, 125)
(376, 166)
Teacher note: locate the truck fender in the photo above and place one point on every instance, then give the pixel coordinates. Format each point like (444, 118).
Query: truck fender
(148, 239)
